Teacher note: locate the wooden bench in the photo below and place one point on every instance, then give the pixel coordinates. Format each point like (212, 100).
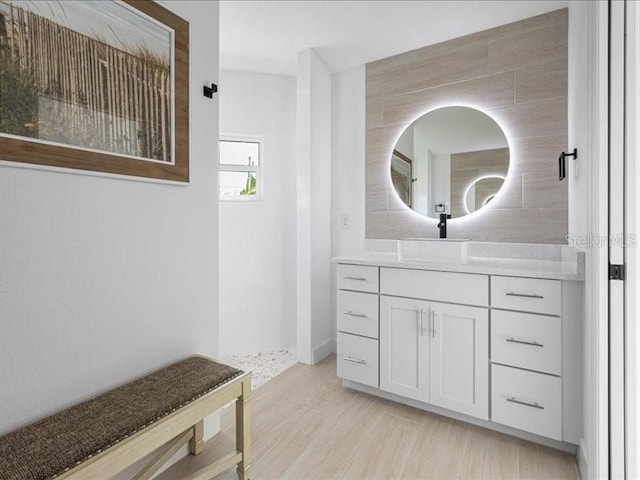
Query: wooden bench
(158, 413)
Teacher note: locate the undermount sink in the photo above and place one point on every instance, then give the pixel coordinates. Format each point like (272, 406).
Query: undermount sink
(442, 250)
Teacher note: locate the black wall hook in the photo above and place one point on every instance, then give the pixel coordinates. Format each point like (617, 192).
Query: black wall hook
(562, 163)
(209, 91)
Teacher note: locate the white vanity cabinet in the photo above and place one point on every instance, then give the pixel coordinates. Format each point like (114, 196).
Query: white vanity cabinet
(526, 354)
(404, 347)
(497, 350)
(434, 347)
(458, 353)
(435, 353)
(357, 322)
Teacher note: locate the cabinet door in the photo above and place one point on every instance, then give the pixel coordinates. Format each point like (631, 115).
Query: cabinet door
(404, 347)
(459, 359)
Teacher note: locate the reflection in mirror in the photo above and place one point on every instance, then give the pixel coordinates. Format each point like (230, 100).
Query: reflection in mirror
(452, 160)
(401, 176)
(481, 192)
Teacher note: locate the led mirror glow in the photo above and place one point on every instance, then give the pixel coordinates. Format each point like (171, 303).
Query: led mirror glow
(451, 160)
(481, 192)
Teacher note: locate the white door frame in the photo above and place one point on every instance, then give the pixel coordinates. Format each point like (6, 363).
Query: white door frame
(624, 211)
(617, 252)
(632, 256)
(594, 449)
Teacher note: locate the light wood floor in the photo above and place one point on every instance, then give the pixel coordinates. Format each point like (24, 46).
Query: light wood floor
(307, 426)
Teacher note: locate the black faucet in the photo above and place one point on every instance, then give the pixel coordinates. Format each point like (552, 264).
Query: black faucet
(443, 224)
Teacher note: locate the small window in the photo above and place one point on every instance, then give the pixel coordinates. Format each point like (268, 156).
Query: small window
(240, 168)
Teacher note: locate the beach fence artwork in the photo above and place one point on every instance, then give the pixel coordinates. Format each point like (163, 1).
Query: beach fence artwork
(89, 75)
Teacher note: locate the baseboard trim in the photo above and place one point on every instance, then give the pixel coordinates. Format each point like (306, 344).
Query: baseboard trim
(323, 350)
(558, 445)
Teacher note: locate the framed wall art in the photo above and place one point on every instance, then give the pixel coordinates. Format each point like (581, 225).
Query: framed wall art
(95, 86)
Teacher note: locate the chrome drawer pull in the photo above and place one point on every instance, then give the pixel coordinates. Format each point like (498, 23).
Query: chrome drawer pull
(524, 295)
(354, 360)
(349, 277)
(526, 404)
(422, 322)
(533, 344)
(361, 315)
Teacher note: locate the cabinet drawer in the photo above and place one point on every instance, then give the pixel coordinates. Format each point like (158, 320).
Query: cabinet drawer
(358, 359)
(362, 278)
(526, 400)
(527, 294)
(528, 341)
(358, 313)
(462, 288)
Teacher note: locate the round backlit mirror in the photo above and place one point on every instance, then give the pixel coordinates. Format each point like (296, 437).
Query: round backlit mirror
(451, 160)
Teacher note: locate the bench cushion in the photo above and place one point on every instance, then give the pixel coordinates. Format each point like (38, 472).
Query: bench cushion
(57, 443)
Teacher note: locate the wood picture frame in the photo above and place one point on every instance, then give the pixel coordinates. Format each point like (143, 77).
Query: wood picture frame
(129, 104)
(402, 176)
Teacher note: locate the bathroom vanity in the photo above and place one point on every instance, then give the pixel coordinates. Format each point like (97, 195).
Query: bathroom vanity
(493, 338)
(489, 333)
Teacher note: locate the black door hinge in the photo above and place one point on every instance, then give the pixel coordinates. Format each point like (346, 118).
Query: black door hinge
(616, 272)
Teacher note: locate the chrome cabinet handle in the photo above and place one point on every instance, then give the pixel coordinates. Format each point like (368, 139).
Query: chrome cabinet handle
(524, 295)
(533, 344)
(361, 279)
(361, 315)
(422, 322)
(355, 360)
(433, 323)
(526, 404)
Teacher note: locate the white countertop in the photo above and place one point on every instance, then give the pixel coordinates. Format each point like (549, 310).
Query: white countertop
(513, 267)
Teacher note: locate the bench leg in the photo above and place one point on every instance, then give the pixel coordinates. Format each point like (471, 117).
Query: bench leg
(243, 430)
(197, 441)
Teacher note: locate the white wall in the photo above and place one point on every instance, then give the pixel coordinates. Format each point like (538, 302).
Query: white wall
(347, 165)
(405, 142)
(257, 238)
(347, 160)
(104, 279)
(579, 118)
(313, 228)
(440, 182)
(424, 171)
